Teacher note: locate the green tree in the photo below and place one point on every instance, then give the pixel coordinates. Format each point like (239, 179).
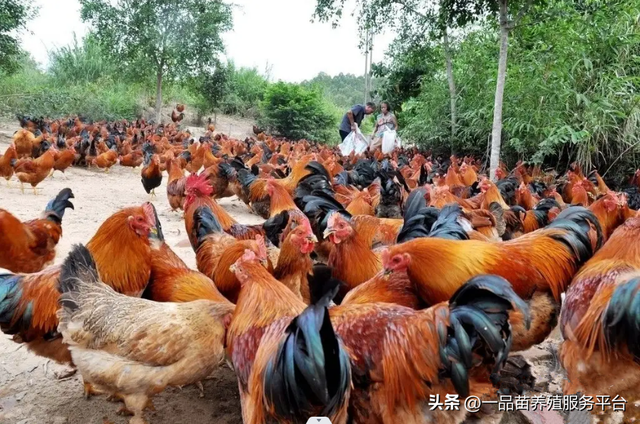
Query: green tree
(14, 14)
(215, 86)
(508, 14)
(572, 94)
(171, 38)
(296, 112)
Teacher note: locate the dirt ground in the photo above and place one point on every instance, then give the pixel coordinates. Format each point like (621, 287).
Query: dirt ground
(29, 391)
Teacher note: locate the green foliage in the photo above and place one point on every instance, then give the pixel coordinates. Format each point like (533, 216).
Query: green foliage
(247, 87)
(572, 91)
(177, 37)
(402, 78)
(32, 92)
(296, 112)
(83, 61)
(14, 15)
(343, 90)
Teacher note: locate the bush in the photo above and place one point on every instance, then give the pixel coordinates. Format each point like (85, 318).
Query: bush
(81, 62)
(32, 92)
(295, 112)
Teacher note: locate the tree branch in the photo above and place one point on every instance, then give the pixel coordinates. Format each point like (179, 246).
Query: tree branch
(409, 8)
(524, 9)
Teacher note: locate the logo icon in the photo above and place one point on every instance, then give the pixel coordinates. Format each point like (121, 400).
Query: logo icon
(319, 420)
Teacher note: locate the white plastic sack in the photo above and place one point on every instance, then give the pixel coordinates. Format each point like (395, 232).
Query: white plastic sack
(388, 141)
(354, 142)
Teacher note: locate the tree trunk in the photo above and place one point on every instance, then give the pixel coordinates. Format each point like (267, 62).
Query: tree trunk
(452, 84)
(370, 76)
(159, 96)
(496, 132)
(366, 69)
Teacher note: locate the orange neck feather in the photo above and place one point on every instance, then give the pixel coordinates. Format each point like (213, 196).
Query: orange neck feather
(122, 256)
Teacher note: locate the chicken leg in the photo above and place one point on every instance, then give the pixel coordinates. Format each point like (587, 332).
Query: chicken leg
(22, 187)
(35, 193)
(135, 405)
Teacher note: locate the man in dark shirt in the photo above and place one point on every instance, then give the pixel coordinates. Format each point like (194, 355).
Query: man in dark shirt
(354, 117)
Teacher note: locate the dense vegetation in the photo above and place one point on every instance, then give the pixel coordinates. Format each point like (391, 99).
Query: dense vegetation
(571, 87)
(572, 91)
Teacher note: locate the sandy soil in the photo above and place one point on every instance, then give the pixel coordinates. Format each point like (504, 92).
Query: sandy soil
(29, 391)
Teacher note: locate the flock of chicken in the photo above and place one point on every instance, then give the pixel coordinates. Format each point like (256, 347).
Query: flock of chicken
(374, 283)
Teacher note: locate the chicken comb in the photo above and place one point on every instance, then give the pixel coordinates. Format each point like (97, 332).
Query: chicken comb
(199, 185)
(247, 256)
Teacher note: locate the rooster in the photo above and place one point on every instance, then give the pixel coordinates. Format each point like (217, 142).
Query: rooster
(539, 265)
(30, 246)
(216, 251)
(6, 163)
(600, 322)
(198, 193)
(28, 302)
(151, 173)
(348, 361)
(134, 348)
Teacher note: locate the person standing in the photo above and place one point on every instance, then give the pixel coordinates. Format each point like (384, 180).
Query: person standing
(386, 121)
(353, 118)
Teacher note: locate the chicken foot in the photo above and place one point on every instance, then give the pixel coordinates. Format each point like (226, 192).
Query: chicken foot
(135, 405)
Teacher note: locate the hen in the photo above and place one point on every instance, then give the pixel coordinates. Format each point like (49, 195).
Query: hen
(172, 281)
(176, 185)
(30, 246)
(34, 171)
(216, 251)
(135, 348)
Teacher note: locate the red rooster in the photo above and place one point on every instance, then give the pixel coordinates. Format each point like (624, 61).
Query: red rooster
(30, 246)
(380, 361)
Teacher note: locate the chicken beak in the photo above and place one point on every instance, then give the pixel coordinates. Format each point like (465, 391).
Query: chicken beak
(312, 238)
(264, 263)
(233, 268)
(387, 272)
(328, 232)
(153, 231)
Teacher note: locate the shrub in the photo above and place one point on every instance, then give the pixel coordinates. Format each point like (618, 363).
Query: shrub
(295, 112)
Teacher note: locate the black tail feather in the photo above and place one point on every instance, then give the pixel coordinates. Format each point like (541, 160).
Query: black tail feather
(56, 207)
(578, 222)
(621, 321)
(478, 326)
(311, 373)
